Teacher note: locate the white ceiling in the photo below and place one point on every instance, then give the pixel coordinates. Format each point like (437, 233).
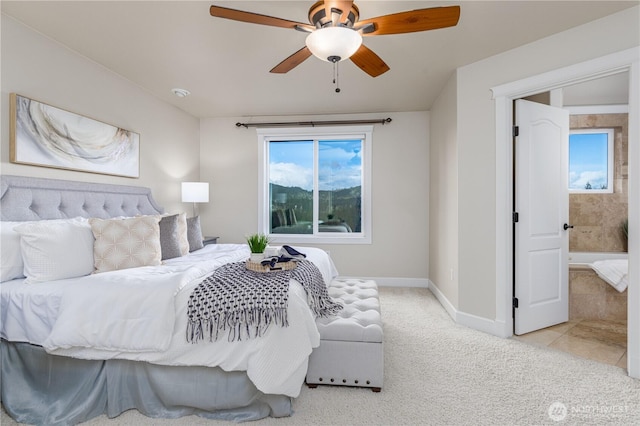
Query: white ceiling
(160, 45)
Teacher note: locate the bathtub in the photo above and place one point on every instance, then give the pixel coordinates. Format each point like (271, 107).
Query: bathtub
(583, 260)
(611, 271)
(590, 295)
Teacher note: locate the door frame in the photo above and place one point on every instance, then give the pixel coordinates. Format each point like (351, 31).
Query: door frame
(504, 95)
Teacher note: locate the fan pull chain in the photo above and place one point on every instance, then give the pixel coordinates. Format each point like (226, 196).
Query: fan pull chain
(335, 76)
(334, 60)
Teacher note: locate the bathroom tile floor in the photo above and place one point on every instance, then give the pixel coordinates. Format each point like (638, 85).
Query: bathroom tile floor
(598, 340)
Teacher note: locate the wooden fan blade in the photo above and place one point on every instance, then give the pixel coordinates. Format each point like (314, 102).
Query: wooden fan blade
(254, 18)
(414, 20)
(369, 62)
(292, 61)
(342, 5)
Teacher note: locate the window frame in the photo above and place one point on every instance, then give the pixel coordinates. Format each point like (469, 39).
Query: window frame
(610, 132)
(266, 135)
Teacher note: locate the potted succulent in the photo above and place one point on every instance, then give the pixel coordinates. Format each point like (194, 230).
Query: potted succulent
(257, 244)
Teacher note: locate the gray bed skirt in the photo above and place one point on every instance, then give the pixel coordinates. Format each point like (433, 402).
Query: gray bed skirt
(39, 388)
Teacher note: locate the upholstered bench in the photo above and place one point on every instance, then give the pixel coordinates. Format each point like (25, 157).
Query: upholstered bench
(351, 342)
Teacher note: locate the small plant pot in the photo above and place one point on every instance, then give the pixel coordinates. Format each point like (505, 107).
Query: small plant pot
(257, 257)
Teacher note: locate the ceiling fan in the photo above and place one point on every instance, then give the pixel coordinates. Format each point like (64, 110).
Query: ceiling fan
(335, 31)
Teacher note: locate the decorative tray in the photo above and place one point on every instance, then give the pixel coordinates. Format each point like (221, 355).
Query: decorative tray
(280, 266)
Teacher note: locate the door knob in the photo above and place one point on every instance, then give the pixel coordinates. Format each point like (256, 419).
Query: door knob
(566, 226)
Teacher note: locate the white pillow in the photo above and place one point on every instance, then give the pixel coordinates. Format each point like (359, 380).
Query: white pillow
(126, 243)
(11, 265)
(55, 250)
(182, 233)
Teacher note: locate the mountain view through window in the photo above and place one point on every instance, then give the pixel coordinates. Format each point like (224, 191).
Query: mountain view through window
(315, 186)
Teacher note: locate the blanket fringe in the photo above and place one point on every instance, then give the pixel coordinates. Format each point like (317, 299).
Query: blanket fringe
(217, 305)
(241, 325)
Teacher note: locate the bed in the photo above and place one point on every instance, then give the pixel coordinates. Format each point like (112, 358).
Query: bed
(74, 348)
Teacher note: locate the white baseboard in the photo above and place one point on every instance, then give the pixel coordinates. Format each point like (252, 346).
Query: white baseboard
(633, 367)
(496, 328)
(481, 324)
(448, 306)
(394, 282)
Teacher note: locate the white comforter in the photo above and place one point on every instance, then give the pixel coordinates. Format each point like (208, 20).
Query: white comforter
(140, 314)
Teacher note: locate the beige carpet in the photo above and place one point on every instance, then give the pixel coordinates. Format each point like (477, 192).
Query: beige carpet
(439, 373)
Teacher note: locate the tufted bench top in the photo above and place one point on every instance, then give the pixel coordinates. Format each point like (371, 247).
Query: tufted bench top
(359, 320)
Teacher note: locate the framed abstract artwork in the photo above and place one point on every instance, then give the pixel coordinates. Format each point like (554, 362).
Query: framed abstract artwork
(43, 135)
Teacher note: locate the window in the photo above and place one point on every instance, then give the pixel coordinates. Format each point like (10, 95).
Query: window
(591, 161)
(315, 184)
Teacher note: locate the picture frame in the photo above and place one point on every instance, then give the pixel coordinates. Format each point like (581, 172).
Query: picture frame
(47, 136)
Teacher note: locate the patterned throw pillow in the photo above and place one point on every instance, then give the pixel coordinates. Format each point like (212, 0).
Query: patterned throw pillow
(126, 243)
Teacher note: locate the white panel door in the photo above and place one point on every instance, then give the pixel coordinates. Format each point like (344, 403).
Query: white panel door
(542, 206)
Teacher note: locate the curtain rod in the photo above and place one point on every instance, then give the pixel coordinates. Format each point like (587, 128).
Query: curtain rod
(315, 123)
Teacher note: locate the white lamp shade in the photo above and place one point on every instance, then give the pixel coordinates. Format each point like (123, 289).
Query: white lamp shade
(334, 41)
(195, 192)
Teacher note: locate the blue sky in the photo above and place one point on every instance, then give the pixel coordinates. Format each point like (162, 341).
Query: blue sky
(340, 164)
(587, 160)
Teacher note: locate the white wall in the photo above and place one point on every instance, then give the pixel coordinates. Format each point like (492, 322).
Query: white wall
(443, 193)
(175, 146)
(400, 157)
(477, 138)
(39, 68)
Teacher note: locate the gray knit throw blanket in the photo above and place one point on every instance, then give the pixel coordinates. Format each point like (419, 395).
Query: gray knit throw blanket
(245, 303)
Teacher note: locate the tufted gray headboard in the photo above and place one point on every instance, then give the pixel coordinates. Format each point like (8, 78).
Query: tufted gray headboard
(29, 198)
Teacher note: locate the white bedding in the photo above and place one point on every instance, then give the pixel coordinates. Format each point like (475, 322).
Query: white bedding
(140, 314)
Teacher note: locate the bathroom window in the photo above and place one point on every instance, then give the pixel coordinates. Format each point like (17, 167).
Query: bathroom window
(315, 185)
(591, 161)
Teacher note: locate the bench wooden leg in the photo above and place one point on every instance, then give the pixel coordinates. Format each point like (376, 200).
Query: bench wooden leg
(312, 385)
(376, 389)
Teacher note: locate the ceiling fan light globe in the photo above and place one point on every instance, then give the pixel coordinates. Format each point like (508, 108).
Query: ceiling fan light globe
(329, 42)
